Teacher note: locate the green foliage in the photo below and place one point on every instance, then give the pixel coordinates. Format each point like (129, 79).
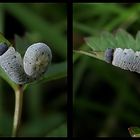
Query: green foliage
(43, 27)
(125, 40)
(46, 125)
(134, 131)
(99, 44)
(106, 98)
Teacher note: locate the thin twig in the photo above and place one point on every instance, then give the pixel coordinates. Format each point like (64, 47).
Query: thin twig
(18, 110)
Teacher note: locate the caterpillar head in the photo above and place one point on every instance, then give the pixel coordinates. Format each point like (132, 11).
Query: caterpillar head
(3, 48)
(34, 64)
(109, 55)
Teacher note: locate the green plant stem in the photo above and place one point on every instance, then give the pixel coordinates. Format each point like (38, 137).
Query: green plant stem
(18, 110)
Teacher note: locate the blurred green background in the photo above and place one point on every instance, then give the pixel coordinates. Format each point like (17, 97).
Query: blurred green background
(44, 104)
(106, 98)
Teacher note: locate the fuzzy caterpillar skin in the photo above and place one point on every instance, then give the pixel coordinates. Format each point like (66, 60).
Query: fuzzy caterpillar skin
(11, 62)
(126, 59)
(37, 59)
(32, 67)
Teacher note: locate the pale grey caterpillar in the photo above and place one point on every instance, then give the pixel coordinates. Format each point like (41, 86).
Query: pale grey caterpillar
(34, 64)
(124, 58)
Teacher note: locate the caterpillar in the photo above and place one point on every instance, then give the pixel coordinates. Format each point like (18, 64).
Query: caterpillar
(126, 59)
(35, 63)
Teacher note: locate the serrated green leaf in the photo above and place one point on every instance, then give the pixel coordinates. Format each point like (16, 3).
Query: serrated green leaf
(94, 43)
(134, 131)
(124, 39)
(108, 40)
(101, 43)
(138, 40)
